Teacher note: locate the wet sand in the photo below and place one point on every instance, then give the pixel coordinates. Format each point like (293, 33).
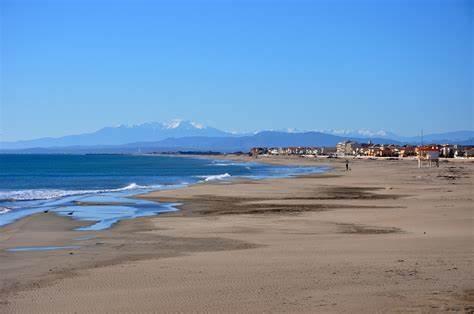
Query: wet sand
(383, 237)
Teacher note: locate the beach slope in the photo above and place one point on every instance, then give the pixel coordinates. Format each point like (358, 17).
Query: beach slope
(383, 237)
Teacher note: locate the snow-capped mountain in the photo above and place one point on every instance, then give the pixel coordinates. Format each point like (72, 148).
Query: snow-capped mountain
(365, 133)
(360, 133)
(191, 135)
(123, 134)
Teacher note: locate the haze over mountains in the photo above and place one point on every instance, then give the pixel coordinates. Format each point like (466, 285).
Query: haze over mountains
(187, 135)
(123, 134)
(455, 137)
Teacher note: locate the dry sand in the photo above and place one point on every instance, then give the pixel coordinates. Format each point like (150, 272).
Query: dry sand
(384, 237)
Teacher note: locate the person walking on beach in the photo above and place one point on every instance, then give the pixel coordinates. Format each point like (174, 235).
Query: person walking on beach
(347, 164)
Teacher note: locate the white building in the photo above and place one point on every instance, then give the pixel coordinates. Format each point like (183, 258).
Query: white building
(346, 148)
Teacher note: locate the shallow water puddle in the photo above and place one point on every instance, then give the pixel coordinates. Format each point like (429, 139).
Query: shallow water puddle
(41, 248)
(86, 237)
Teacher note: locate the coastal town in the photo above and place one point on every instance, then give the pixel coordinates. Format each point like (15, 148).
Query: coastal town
(371, 150)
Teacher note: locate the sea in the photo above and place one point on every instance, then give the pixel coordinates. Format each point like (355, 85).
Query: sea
(99, 188)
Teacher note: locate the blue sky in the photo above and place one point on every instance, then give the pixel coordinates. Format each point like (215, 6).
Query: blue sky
(75, 66)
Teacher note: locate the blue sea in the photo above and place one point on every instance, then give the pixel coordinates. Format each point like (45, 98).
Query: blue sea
(31, 184)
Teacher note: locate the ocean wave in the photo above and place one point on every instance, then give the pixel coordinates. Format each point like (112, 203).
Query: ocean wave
(47, 194)
(221, 164)
(229, 163)
(216, 177)
(4, 210)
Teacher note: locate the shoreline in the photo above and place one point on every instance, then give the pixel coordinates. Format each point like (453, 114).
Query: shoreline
(185, 207)
(397, 236)
(138, 194)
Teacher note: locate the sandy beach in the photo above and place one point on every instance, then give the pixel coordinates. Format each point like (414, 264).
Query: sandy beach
(383, 237)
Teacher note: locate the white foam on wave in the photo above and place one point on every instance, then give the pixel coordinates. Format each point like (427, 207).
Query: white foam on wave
(229, 163)
(47, 194)
(216, 177)
(4, 210)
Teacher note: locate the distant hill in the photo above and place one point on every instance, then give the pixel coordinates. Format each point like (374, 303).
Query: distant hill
(186, 135)
(457, 137)
(266, 138)
(154, 131)
(203, 143)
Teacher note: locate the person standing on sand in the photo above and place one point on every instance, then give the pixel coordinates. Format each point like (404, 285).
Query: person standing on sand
(347, 164)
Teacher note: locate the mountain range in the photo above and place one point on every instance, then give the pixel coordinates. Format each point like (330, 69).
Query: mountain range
(122, 134)
(186, 135)
(447, 137)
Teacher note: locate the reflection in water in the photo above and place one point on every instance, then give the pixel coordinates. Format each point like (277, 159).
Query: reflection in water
(41, 248)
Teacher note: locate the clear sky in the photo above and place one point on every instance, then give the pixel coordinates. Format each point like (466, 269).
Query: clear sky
(75, 66)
